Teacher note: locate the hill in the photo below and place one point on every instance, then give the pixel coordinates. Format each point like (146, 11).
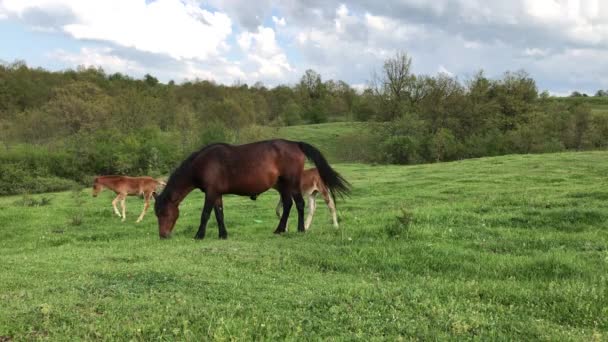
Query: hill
(327, 136)
(505, 248)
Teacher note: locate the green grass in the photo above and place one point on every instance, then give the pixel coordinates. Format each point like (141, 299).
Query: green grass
(508, 248)
(599, 105)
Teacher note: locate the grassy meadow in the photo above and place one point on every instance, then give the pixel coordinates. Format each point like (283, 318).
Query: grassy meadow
(506, 248)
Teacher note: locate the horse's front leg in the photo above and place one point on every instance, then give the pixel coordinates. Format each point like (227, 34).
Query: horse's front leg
(146, 206)
(218, 209)
(297, 197)
(209, 201)
(114, 205)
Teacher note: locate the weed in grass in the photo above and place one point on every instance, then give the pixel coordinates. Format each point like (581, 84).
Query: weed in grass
(29, 201)
(401, 225)
(77, 215)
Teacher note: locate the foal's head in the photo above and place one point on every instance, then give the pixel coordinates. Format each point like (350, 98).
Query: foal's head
(97, 187)
(167, 213)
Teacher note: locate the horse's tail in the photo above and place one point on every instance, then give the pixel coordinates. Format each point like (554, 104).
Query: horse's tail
(333, 180)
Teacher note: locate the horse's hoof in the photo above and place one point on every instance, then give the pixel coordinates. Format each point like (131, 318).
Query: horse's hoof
(198, 237)
(279, 231)
(223, 237)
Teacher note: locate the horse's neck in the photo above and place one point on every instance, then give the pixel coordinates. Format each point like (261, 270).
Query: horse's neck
(178, 193)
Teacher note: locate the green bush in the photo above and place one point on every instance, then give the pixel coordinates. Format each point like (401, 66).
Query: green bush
(16, 178)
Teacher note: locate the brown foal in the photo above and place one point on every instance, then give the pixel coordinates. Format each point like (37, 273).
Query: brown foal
(311, 184)
(125, 186)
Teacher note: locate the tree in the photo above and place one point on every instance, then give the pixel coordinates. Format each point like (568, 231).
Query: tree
(395, 85)
(311, 85)
(313, 94)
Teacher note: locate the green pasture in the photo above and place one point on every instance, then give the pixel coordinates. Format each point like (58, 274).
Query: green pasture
(506, 248)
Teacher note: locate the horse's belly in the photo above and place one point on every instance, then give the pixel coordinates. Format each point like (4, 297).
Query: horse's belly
(249, 188)
(248, 191)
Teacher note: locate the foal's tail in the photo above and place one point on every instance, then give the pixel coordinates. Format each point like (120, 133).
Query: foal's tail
(333, 180)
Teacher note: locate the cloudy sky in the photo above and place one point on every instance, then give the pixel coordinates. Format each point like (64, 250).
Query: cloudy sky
(563, 44)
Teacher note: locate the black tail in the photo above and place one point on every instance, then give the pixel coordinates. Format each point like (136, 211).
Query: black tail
(332, 179)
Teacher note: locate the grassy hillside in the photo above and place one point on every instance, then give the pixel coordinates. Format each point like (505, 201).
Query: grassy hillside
(599, 105)
(509, 248)
(324, 136)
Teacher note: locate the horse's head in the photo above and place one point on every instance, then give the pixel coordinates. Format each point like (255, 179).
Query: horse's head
(166, 213)
(97, 187)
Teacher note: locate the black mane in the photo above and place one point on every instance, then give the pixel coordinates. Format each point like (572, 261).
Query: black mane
(180, 171)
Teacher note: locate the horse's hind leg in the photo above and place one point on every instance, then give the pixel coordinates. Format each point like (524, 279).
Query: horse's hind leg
(218, 209)
(146, 206)
(209, 203)
(278, 208)
(287, 203)
(312, 206)
(114, 205)
(297, 197)
(332, 207)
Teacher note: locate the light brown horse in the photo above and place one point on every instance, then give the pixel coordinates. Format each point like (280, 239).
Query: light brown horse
(311, 184)
(245, 170)
(125, 186)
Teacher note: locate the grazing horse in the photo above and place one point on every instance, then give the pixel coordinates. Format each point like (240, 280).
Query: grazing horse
(246, 170)
(311, 184)
(124, 186)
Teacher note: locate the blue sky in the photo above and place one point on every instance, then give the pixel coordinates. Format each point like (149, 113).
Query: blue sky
(563, 44)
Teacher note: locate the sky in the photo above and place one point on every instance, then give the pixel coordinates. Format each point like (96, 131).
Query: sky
(562, 44)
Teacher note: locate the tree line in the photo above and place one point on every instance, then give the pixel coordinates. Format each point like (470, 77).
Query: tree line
(63, 127)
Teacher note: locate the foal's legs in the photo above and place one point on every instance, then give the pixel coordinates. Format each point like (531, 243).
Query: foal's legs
(209, 202)
(287, 203)
(146, 206)
(332, 207)
(218, 209)
(114, 205)
(312, 206)
(122, 204)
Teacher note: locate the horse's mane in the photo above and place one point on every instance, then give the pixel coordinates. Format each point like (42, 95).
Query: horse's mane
(179, 172)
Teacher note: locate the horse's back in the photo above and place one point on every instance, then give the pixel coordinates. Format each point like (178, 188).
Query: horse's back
(127, 184)
(248, 169)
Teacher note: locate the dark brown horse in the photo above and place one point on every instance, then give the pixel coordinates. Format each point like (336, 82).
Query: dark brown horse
(245, 170)
(125, 186)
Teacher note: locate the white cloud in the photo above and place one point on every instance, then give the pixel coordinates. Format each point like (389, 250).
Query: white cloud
(222, 71)
(179, 29)
(279, 21)
(443, 70)
(98, 57)
(536, 52)
(262, 50)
